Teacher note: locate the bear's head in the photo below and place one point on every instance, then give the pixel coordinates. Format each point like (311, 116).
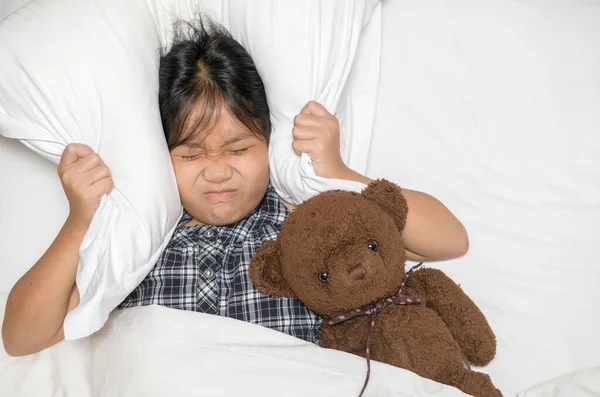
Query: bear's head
(337, 251)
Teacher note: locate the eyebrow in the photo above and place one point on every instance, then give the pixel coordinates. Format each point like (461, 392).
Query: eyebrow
(228, 142)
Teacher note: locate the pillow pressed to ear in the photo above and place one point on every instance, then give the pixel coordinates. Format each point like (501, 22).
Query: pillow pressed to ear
(87, 71)
(323, 50)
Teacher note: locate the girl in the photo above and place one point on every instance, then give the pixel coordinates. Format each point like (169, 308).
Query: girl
(216, 122)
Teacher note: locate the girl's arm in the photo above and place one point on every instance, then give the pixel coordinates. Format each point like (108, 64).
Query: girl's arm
(39, 302)
(432, 232)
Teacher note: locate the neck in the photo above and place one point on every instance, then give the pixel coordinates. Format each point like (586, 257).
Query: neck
(194, 222)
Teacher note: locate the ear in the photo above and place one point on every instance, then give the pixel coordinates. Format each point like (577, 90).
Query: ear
(266, 273)
(389, 197)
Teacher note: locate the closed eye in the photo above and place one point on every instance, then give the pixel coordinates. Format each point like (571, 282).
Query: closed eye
(240, 151)
(236, 152)
(189, 158)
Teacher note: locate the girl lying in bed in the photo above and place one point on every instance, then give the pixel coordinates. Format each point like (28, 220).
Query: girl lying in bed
(216, 122)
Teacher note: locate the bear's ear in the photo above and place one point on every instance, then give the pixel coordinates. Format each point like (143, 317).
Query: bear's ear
(389, 197)
(266, 273)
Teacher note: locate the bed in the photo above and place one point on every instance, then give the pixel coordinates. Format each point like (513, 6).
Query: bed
(491, 106)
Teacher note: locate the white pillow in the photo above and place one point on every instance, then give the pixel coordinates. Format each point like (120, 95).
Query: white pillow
(304, 50)
(86, 71)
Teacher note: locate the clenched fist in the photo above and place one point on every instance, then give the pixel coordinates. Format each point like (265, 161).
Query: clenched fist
(317, 132)
(85, 179)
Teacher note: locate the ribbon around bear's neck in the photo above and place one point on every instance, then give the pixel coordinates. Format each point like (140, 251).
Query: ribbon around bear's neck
(374, 309)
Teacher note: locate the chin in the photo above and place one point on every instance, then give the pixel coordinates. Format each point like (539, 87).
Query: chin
(225, 219)
(222, 213)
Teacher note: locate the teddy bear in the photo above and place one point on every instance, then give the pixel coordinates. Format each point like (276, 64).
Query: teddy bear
(342, 254)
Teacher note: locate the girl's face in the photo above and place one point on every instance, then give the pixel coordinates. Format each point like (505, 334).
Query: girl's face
(224, 176)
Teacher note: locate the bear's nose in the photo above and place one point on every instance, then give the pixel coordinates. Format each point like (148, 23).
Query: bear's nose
(357, 272)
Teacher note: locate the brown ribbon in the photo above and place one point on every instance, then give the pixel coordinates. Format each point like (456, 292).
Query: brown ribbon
(374, 309)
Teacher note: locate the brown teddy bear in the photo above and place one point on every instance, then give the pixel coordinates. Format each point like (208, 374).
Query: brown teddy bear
(342, 254)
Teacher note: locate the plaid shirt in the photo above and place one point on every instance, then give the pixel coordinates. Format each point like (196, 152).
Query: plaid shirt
(204, 268)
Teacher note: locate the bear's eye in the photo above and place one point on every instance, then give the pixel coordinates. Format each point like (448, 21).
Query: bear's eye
(372, 244)
(324, 277)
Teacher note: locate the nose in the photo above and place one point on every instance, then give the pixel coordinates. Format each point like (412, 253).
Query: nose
(357, 272)
(217, 171)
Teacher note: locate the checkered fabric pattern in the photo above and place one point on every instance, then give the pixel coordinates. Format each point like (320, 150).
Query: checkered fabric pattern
(205, 269)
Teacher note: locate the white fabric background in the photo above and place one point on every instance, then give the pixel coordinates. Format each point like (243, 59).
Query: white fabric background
(493, 107)
(582, 383)
(8, 6)
(489, 105)
(31, 200)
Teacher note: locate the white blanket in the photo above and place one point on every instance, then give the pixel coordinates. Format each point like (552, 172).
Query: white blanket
(157, 351)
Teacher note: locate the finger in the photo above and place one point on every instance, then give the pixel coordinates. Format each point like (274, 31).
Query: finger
(303, 146)
(308, 120)
(88, 162)
(96, 174)
(317, 109)
(103, 186)
(73, 152)
(306, 108)
(301, 132)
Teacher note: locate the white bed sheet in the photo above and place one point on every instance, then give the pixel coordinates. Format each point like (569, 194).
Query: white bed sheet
(583, 383)
(494, 108)
(156, 351)
(8, 6)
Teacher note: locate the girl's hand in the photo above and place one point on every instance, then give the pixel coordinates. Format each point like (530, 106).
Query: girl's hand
(85, 179)
(317, 132)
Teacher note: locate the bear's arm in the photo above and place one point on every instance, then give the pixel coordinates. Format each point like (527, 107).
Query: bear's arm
(467, 324)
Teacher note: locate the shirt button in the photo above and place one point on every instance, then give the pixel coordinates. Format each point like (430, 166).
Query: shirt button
(208, 274)
(209, 233)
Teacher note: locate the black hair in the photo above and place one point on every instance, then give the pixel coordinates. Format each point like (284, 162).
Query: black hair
(205, 69)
